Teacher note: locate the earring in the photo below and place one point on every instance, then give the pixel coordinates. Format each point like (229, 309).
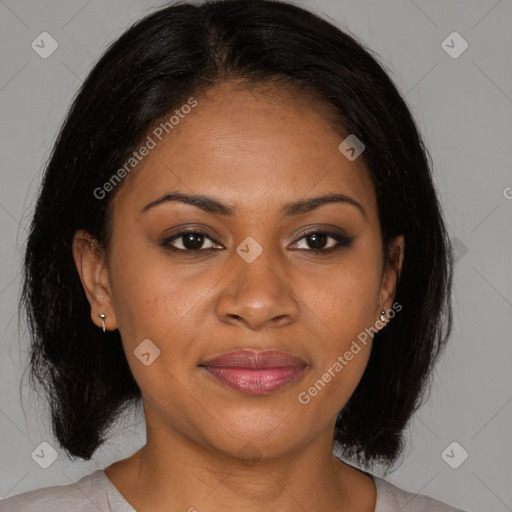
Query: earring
(382, 316)
(102, 316)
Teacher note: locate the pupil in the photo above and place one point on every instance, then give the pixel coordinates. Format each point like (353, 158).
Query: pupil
(193, 241)
(318, 240)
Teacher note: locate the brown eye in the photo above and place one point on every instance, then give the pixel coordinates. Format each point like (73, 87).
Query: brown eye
(189, 241)
(317, 241)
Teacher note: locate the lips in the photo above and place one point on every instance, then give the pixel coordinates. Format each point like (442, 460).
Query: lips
(255, 372)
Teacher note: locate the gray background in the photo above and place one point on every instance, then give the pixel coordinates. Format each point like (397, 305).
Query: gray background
(463, 107)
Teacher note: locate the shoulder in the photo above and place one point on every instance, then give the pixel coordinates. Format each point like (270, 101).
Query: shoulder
(86, 494)
(391, 498)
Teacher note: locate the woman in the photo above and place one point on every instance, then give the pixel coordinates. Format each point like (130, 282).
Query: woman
(237, 227)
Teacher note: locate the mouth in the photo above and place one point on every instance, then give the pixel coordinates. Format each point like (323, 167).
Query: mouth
(255, 372)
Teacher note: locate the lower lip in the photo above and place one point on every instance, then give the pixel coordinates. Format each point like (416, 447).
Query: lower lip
(255, 381)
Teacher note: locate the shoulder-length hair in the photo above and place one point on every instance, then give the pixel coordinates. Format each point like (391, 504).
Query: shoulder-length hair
(152, 69)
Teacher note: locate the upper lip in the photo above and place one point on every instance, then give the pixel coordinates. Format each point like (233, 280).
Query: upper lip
(255, 359)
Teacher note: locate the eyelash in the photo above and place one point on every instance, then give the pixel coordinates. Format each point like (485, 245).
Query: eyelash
(341, 240)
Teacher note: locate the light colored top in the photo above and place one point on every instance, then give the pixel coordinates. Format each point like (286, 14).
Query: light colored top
(96, 493)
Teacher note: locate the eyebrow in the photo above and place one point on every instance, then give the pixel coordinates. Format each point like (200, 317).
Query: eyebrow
(212, 205)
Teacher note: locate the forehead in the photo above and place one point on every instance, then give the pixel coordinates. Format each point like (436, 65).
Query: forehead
(252, 147)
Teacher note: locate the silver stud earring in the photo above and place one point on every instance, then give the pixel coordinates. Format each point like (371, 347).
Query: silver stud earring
(382, 316)
(102, 316)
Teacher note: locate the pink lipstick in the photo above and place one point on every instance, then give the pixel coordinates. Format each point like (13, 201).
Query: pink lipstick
(255, 372)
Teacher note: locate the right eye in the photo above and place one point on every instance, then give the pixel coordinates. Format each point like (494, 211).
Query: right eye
(189, 240)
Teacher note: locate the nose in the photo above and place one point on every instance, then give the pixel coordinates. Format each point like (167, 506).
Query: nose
(258, 295)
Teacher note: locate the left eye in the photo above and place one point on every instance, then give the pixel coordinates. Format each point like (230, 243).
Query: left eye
(318, 240)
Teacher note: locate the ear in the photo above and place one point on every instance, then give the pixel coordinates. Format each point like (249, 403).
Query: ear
(90, 261)
(392, 272)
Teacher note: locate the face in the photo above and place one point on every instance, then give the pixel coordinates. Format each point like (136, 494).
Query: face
(251, 273)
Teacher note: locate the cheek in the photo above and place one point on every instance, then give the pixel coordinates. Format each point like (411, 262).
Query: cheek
(152, 297)
(343, 302)
(344, 296)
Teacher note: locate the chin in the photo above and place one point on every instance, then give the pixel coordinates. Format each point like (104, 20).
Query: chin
(252, 435)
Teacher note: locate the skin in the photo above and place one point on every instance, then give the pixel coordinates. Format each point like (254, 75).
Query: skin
(210, 447)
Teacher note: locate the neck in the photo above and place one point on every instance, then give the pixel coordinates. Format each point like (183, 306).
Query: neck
(188, 475)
